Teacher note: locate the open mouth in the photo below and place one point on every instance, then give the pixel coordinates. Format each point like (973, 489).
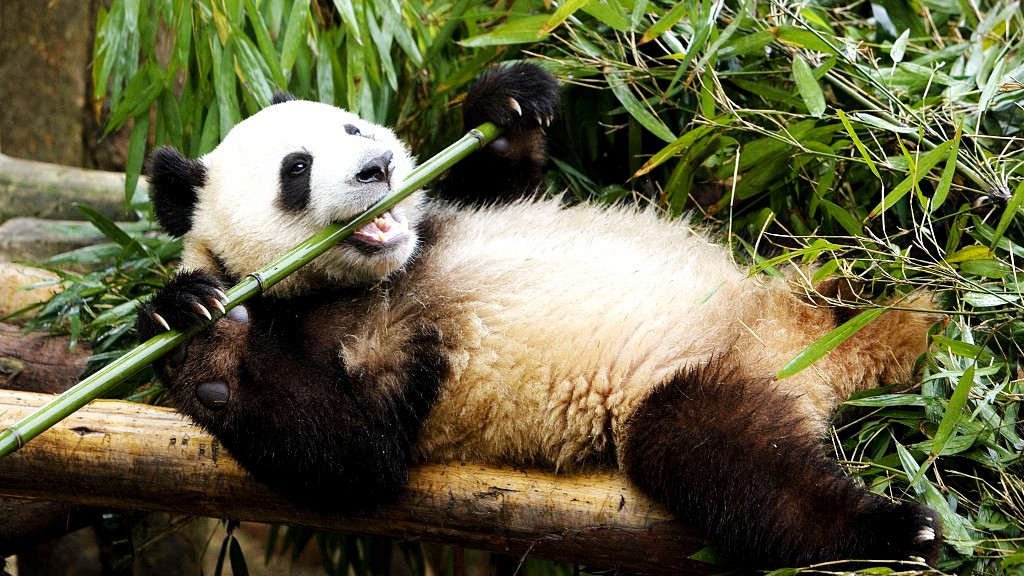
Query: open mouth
(382, 232)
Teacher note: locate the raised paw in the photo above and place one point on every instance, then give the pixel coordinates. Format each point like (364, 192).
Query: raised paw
(190, 299)
(517, 97)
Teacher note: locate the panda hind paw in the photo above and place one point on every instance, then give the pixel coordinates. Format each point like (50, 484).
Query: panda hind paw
(190, 299)
(517, 97)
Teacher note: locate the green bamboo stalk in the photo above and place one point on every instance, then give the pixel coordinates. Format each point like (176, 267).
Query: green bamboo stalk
(24, 430)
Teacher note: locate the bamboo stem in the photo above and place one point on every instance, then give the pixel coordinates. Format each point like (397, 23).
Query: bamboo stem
(24, 430)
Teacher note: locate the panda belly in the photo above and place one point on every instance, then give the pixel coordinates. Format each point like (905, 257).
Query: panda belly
(562, 320)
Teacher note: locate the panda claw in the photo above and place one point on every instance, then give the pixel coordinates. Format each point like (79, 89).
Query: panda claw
(216, 304)
(220, 294)
(202, 311)
(513, 104)
(160, 320)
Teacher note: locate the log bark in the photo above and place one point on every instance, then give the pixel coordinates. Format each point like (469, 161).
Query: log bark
(118, 454)
(39, 189)
(38, 362)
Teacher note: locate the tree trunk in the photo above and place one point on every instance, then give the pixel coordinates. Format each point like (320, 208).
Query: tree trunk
(118, 454)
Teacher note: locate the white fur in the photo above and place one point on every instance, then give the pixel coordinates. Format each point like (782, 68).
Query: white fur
(238, 220)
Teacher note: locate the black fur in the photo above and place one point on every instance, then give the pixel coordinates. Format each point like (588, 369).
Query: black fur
(762, 487)
(280, 97)
(339, 441)
(294, 174)
(511, 167)
(176, 303)
(174, 181)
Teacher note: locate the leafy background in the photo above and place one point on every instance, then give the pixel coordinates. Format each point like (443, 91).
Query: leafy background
(874, 141)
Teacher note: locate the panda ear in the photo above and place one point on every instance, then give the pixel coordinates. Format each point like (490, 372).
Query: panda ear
(174, 183)
(280, 97)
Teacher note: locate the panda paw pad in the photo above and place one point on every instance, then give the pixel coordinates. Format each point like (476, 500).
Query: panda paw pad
(517, 97)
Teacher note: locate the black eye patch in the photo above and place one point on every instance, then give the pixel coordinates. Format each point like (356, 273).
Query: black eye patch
(294, 181)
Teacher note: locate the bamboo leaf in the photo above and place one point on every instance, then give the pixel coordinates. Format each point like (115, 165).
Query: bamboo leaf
(637, 109)
(899, 47)
(954, 411)
(609, 12)
(524, 30)
(564, 11)
(856, 142)
(105, 225)
(667, 21)
(136, 155)
(684, 141)
(294, 35)
(1011, 211)
(828, 342)
(942, 190)
(348, 17)
(917, 174)
(808, 87)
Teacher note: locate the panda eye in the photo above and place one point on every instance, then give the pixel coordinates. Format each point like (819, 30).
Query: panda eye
(352, 130)
(296, 165)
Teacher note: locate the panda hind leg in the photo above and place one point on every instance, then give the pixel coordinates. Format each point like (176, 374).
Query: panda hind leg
(734, 456)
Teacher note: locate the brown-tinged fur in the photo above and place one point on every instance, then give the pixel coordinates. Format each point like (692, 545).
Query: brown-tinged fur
(529, 333)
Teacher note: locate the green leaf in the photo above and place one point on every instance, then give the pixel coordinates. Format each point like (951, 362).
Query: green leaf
(917, 174)
(954, 411)
(808, 87)
(565, 10)
(136, 156)
(828, 342)
(348, 16)
(524, 30)
(856, 142)
(1009, 213)
(667, 21)
(105, 225)
(684, 141)
(899, 47)
(889, 401)
(609, 12)
(942, 190)
(294, 35)
(636, 108)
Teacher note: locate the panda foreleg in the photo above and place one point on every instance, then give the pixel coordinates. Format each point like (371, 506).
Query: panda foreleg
(522, 99)
(735, 456)
(287, 409)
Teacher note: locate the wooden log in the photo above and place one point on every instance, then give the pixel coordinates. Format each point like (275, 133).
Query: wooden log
(30, 188)
(119, 454)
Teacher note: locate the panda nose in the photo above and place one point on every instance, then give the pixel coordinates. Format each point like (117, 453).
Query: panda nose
(376, 170)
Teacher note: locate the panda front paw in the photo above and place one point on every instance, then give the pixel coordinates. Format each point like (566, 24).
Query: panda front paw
(517, 97)
(190, 299)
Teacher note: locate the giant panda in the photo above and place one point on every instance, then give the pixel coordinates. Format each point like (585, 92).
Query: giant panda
(493, 324)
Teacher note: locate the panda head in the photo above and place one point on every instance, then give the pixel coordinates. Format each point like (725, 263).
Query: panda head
(277, 178)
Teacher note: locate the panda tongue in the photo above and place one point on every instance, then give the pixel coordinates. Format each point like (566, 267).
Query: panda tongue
(381, 230)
